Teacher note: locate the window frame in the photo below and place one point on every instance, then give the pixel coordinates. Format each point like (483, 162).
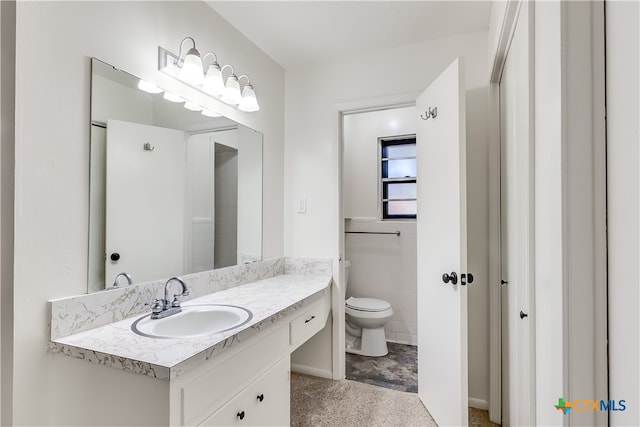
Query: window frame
(382, 200)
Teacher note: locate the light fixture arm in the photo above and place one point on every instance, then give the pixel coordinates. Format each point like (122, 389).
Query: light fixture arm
(179, 60)
(246, 77)
(225, 66)
(215, 57)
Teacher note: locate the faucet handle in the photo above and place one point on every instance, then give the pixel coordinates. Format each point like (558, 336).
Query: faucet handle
(176, 302)
(158, 305)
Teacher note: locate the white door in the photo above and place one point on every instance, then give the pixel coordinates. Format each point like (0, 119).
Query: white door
(516, 228)
(145, 192)
(442, 249)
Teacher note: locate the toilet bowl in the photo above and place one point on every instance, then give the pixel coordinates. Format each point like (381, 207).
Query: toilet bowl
(365, 319)
(364, 322)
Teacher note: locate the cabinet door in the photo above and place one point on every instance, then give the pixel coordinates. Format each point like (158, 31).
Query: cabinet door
(264, 402)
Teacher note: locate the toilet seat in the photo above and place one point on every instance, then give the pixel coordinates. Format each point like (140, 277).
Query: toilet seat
(367, 304)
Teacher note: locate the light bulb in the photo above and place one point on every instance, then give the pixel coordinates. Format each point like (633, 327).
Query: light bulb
(209, 113)
(192, 106)
(249, 102)
(172, 97)
(231, 94)
(213, 83)
(149, 87)
(191, 71)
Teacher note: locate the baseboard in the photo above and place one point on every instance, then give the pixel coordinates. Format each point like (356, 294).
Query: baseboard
(303, 369)
(478, 403)
(387, 339)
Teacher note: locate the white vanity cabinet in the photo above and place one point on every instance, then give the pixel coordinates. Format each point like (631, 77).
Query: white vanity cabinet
(209, 396)
(242, 379)
(263, 403)
(248, 384)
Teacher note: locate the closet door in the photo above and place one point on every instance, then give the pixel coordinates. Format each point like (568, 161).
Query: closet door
(516, 199)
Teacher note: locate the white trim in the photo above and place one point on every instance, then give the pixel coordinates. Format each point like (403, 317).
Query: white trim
(338, 296)
(507, 30)
(584, 204)
(478, 403)
(339, 291)
(377, 104)
(307, 370)
(495, 303)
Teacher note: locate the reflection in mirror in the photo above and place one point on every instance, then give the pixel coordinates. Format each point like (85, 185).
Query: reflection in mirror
(171, 191)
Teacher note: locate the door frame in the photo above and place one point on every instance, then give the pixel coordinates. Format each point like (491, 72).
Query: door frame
(506, 33)
(343, 109)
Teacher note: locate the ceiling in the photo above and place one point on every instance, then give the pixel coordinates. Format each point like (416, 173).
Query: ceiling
(303, 33)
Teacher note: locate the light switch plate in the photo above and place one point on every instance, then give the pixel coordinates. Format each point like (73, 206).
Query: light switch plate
(301, 206)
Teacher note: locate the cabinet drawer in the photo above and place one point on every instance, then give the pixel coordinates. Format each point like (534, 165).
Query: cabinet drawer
(309, 322)
(263, 403)
(206, 394)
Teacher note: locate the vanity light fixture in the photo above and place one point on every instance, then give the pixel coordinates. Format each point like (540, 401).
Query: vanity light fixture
(248, 102)
(153, 89)
(205, 74)
(231, 94)
(213, 83)
(191, 66)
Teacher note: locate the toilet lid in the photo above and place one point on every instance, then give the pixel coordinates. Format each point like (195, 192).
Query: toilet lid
(367, 304)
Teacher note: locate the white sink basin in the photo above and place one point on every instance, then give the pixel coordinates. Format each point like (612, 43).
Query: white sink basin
(193, 321)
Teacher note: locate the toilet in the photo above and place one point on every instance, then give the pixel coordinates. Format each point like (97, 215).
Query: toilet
(364, 321)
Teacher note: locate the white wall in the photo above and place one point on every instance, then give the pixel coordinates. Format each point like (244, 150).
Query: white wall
(200, 206)
(382, 266)
(361, 156)
(623, 119)
(570, 252)
(250, 199)
(52, 153)
(312, 159)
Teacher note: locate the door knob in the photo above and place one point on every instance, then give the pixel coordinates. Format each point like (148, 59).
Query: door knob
(466, 278)
(523, 315)
(453, 278)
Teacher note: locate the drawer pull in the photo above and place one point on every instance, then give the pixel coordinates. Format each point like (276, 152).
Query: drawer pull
(241, 415)
(310, 319)
(260, 397)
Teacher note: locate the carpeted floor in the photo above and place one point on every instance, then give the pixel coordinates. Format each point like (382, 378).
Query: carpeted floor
(321, 402)
(398, 370)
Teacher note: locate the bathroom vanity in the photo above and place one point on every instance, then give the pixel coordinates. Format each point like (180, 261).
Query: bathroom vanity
(235, 377)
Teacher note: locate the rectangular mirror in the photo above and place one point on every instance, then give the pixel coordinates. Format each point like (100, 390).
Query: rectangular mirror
(172, 191)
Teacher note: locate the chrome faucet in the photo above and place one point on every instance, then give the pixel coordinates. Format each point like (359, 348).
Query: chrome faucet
(126, 276)
(165, 307)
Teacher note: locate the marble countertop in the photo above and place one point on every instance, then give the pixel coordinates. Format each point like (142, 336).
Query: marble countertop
(116, 345)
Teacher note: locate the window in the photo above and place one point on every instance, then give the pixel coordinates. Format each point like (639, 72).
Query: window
(398, 177)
